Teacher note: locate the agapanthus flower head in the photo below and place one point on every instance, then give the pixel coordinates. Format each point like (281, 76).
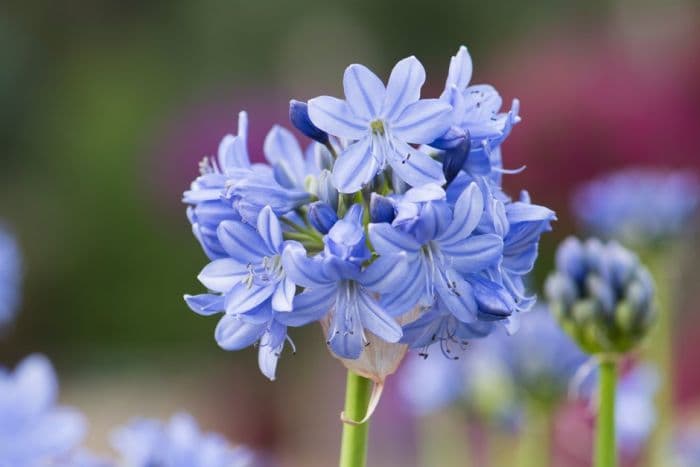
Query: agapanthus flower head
(602, 295)
(147, 442)
(393, 218)
(638, 205)
(10, 276)
(34, 430)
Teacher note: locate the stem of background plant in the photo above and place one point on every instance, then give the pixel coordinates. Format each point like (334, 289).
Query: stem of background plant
(353, 450)
(443, 439)
(605, 445)
(659, 351)
(534, 444)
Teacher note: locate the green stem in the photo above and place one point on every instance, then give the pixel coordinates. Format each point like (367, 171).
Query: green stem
(605, 446)
(353, 450)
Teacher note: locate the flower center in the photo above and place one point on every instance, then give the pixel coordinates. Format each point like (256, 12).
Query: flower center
(268, 272)
(377, 127)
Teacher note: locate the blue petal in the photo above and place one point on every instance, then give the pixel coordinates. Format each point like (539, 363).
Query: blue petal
(403, 89)
(233, 151)
(376, 319)
(386, 273)
(387, 240)
(281, 148)
(458, 297)
(334, 116)
(364, 91)
(414, 167)
(461, 68)
(309, 306)
(424, 193)
(222, 274)
(269, 229)
(355, 167)
(321, 216)
(423, 331)
(244, 297)
(261, 314)
(232, 333)
(478, 160)
(345, 331)
(268, 357)
(493, 299)
(422, 122)
(205, 304)
(284, 295)
(467, 213)
(413, 294)
(304, 271)
(474, 253)
(242, 242)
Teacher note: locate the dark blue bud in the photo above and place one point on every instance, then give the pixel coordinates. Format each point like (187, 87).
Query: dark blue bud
(381, 209)
(453, 160)
(322, 216)
(299, 116)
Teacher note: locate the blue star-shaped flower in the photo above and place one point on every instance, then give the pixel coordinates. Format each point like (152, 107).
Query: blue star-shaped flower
(382, 123)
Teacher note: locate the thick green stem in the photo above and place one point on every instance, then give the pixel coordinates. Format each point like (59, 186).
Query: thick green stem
(605, 446)
(353, 450)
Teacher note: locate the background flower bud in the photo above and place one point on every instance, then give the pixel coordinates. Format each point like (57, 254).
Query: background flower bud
(601, 294)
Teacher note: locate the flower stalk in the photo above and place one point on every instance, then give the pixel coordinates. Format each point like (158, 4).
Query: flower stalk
(353, 449)
(605, 446)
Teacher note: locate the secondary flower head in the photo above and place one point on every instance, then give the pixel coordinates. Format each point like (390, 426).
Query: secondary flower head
(10, 276)
(389, 229)
(33, 429)
(639, 204)
(177, 443)
(602, 295)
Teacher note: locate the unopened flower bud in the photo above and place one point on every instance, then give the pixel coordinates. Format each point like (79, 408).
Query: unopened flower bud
(601, 295)
(299, 116)
(322, 216)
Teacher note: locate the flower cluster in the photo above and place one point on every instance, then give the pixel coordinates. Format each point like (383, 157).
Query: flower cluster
(10, 276)
(638, 205)
(179, 443)
(602, 295)
(395, 210)
(33, 429)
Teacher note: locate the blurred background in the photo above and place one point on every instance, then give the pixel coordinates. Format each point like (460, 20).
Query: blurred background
(106, 108)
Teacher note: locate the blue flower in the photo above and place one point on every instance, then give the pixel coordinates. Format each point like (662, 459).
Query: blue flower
(208, 206)
(638, 205)
(444, 257)
(251, 286)
(33, 429)
(10, 277)
(179, 443)
(337, 284)
(382, 123)
(476, 112)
